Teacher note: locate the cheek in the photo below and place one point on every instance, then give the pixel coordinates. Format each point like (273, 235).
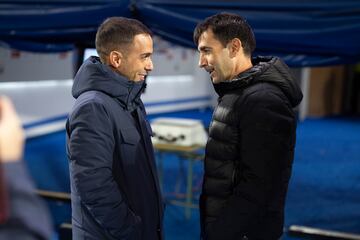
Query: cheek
(216, 63)
(223, 63)
(211, 60)
(138, 66)
(216, 60)
(132, 68)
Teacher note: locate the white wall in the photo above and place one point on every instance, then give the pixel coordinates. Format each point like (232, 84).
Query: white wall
(40, 84)
(21, 66)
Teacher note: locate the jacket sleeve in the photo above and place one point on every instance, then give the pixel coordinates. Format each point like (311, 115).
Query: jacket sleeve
(267, 139)
(25, 206)
(90, 148)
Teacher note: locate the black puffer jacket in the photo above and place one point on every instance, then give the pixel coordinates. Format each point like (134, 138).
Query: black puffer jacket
(249, 153)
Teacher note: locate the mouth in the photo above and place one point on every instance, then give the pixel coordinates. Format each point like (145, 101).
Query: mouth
(142, 76)
(210, 70)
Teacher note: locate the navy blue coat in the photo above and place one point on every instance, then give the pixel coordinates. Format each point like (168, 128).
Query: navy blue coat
(114, 186)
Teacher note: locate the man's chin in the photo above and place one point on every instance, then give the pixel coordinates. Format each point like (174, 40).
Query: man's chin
(215, 80)
(138, 80)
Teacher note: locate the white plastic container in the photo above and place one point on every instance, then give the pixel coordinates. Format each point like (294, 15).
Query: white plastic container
(178, 131)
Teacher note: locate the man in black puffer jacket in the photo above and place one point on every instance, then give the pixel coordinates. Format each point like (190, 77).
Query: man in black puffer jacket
(250, 149)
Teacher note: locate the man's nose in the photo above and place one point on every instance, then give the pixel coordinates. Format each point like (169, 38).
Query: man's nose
(202, 61)
(149, 66)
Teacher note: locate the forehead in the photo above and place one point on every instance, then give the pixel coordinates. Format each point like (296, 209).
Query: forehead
(208, 39)
(142, 43)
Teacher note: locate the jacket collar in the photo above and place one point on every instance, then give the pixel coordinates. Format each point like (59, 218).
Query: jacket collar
(270, 70)
(96, 76)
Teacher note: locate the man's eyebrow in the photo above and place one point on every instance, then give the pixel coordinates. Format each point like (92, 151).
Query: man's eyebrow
(146, 54)
(204, 48)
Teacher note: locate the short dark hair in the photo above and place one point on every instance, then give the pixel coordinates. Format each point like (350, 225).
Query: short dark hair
(227, 26)
(116, 33)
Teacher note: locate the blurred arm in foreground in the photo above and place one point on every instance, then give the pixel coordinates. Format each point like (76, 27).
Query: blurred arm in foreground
(22, 214)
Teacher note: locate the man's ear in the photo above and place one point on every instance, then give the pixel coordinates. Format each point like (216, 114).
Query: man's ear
(115, 59)
(234, 47)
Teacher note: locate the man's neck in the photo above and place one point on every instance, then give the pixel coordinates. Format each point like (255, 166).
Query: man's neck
(242, 64)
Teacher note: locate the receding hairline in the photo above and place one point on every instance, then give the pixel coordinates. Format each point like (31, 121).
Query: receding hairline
(226, 27)
(123, 48)
(117, 34)
(207, 31)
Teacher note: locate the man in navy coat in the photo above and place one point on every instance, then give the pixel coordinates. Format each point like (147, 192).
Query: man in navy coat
(114, 185)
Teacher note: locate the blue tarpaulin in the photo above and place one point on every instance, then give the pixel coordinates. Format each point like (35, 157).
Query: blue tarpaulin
(50, 26)
(304, 33)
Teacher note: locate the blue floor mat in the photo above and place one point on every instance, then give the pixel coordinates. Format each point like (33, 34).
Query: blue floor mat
(324, 191)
